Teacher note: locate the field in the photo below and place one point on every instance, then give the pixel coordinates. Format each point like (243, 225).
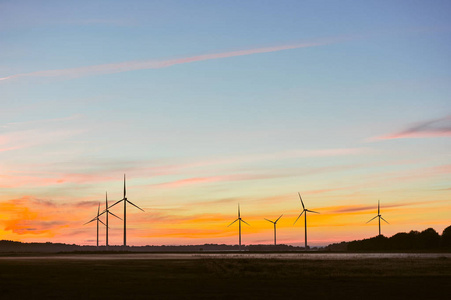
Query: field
(189, 276)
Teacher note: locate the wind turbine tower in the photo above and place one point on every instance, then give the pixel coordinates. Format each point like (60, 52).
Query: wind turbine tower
(378, 216)
(98, 220)
(107, 212)
(125, 211)
(275, 223)
(304, 210)
(239, 225)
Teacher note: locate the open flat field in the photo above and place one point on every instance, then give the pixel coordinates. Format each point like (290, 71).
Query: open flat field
(226, 276)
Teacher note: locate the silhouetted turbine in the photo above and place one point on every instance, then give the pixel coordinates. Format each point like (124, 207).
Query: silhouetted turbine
(378, 216)
(304, 210)
(98, 220)
(275, 223)
(125, 211)
(239, 225)
(107, 212)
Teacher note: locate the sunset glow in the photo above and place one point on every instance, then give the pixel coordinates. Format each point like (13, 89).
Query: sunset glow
(207, 105)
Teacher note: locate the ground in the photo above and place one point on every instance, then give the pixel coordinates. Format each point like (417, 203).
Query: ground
(224, 277)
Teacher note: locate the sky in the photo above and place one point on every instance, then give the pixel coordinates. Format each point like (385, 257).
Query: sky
(205, 105)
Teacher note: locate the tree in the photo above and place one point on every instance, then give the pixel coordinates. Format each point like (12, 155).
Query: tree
(401, 241)
(446, 237)
(429, 239)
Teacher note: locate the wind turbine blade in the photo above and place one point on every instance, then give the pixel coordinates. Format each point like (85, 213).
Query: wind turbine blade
(268, 220)
(102, 222)
(372, 219)
(232, 222)
(278, 218)
(106, 200)
(93, 219)
(135, 206)
(378, 207)
(116, 203)
(315, 212)
(384, 220)
(302, 202)
(101, 213)
(125, 192)
(90, 221)
(98, 209)
(245, 222)
(239, 214)
(114, 215)
(298, 217)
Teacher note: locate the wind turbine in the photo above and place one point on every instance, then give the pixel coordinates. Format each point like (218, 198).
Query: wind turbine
(239, 225)
(275, 223)
(305, 218)
(98, 220)
(378, 216)
(125, 211)
(107, 212)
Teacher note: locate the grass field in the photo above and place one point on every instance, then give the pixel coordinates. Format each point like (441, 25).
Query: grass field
(216, 278)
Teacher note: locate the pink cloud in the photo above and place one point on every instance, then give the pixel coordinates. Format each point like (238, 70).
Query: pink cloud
(322, 191)
(5, 142)
(233, 177)
(9, 148)
(370, 208)
(188, 181)
(434, 128)
(33, 137)
(421, 173)
(43, 179)
(154, 64)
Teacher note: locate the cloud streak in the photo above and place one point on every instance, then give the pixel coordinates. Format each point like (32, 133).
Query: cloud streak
(434, 128)
(225, 178)
(158, 64)
(373, 208)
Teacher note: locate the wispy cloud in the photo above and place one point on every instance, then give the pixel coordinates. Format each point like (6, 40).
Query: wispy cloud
(157, 64)
(434, 128)
(232, 177)
(48, 179)
(258, 176)
(19, 135)
(373, 208)
(40, 122)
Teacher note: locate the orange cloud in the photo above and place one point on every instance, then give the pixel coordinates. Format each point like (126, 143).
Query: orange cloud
(188, 233)
(21, 219)
(33, 219)
(32, 216)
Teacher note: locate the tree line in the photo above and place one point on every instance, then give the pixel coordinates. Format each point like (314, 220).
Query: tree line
(426, 240)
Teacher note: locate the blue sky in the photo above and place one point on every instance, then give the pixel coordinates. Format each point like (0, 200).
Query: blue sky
(345, 100)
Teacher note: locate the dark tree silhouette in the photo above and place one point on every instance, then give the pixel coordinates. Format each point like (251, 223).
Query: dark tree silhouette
(429, 239)
(446, 237)
(414, 240)
(401, 241)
